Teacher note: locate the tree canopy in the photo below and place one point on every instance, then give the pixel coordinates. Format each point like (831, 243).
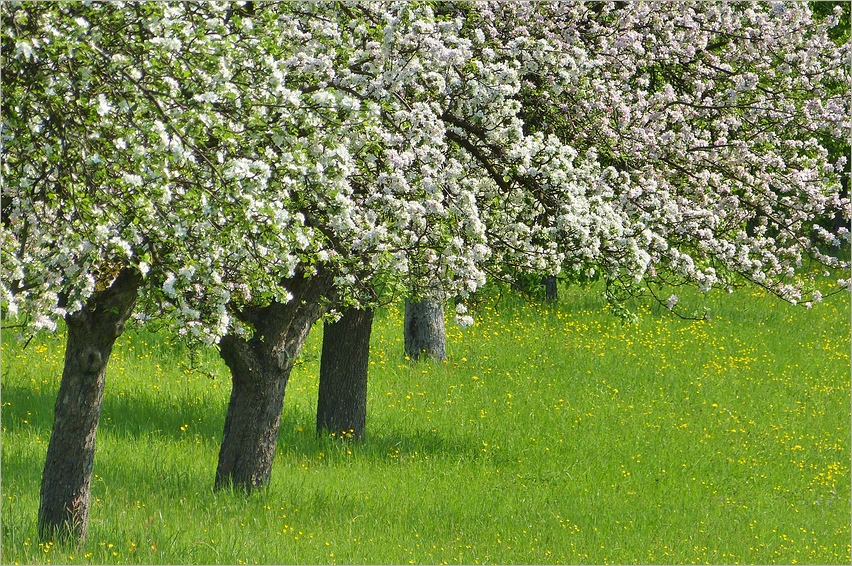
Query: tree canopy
(223, 148)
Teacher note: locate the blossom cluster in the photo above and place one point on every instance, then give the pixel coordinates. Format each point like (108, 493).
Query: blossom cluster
(698, 137)
(221, 148)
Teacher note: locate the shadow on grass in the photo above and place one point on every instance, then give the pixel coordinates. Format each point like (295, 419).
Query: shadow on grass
(393, 445)
(125, 415)
(178, 461)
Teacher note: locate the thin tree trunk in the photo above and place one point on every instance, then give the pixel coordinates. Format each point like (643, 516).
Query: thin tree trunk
(260, 368)
(424, 330)
(550, 291)
(342, 400)
(66, 482)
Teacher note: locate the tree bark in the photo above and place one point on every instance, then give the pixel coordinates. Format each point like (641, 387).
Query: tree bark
(260, 368)
(424, 330)
(66, 482)
(342, 399)
(550, 291)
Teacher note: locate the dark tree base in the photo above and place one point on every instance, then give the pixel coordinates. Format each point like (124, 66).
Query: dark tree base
(342, 400)
(550, 290)
(260, 368)
(425, 334)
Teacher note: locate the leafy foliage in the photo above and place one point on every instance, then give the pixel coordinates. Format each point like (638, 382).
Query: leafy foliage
(223, 149)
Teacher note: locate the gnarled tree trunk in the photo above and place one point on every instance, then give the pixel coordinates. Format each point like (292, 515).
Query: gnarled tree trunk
(342, 399)
(260, 368)
(424, 330)
(63, 511)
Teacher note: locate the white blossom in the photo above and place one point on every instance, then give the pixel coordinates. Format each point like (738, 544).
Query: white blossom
(670, 304)
(416, 150)
(24, 48)
(104, 107)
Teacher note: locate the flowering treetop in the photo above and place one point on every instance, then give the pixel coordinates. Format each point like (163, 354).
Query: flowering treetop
(223, 148)
(219, 150)
(693, 136)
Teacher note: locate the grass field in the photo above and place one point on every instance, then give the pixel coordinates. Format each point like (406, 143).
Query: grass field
(553, 434)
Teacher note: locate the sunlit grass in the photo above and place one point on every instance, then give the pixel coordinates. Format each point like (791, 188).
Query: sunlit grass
(552, 434)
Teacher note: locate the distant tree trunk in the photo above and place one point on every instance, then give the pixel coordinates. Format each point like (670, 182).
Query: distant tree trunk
(63, 511)
(260, 368)
(839, 220)
(424, 330)
(550, 292)
(342, 400)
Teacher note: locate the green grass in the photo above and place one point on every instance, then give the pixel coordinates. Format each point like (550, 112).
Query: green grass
(552, 435)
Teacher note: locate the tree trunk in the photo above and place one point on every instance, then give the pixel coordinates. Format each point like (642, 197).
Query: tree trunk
(550, 291)
(260, 368)
(342, 400)
(424, 330)
(66, 483)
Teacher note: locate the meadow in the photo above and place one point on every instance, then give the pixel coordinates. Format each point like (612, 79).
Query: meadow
(552, 434)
